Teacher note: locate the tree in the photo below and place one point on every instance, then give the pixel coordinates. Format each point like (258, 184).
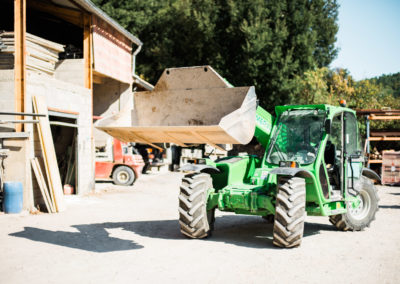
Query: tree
(260, 43)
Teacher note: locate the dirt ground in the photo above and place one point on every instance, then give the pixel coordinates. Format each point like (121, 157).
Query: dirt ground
(131, 235)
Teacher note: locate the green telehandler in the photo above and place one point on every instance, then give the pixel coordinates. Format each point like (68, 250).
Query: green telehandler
(313, 162)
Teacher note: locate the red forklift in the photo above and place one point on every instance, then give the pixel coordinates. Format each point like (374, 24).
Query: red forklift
(119, 162)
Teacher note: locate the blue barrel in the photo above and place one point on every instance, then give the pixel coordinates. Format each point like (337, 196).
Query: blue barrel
(13, 196)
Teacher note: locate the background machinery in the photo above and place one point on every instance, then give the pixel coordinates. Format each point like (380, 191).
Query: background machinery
(119, 162)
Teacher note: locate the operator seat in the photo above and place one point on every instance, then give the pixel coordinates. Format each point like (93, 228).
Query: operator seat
(330, 161)
(330, 153)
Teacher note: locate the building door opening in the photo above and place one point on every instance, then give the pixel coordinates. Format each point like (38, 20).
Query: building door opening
(64, 129)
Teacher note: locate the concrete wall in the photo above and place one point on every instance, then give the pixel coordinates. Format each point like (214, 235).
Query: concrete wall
(65, 92)
(71, 71)
(111, 96)
(7, 102)
(60, 95)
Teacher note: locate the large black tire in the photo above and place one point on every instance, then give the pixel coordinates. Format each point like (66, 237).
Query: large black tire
(123, 175)
(195, 221)
(357, 219)
(290, 212)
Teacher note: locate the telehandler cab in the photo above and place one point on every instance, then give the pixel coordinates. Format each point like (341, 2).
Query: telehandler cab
(313, 162)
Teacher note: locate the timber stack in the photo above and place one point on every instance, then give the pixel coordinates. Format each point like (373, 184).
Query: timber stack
(41, 54)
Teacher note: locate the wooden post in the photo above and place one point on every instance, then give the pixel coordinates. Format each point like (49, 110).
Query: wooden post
(87, 50)
(19, 58)
(88, 59)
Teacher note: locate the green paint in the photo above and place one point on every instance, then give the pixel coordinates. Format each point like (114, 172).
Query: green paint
(245, 185)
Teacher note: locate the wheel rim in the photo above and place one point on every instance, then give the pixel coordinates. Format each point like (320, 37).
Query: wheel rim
(362, 210)
(123, 177)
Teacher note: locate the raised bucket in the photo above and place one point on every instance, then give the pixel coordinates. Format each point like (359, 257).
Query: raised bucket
(187, 105)
(13, 197)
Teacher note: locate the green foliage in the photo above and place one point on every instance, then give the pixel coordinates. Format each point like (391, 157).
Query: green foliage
(260, 43)
(324, 86)
(389, 83)
(330, 86)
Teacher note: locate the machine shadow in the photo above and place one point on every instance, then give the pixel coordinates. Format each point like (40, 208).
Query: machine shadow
(246, 231)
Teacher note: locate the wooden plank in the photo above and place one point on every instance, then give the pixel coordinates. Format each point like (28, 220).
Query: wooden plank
(384, 138)
(47, 192)
(39, 132)
(49, 153)
(62, 110)
(375, 162)
(19, 58)
(381, 117)
(42, 186)
(384, 133)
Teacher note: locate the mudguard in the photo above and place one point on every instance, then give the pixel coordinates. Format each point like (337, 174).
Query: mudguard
(292, 172)
(371, 174)
(200, 169)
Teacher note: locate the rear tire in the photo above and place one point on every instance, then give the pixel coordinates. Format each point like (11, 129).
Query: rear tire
(194, 219)
(123, 175)
(357, 219)
(290, 212)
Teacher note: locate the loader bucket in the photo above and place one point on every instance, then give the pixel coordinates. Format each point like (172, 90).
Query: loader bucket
(191, 105)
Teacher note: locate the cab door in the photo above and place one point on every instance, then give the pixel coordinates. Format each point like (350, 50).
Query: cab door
(353, 159)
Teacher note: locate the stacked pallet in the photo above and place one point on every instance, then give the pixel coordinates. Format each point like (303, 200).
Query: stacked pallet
(41, 54)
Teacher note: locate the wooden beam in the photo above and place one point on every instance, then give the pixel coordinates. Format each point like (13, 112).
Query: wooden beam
(384, 138)
(42, 185)
(381, 117)
(87, 50)
(19, 58)
(62, 110)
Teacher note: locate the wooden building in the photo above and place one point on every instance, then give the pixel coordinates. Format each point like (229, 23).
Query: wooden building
(82, 63)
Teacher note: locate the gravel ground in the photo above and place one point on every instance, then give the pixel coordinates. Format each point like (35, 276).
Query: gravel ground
(131, 235)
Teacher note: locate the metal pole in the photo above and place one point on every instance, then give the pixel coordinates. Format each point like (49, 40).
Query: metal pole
(22, 114)
(18, 121)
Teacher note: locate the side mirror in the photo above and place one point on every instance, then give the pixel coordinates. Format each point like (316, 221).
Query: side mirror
(328, 126)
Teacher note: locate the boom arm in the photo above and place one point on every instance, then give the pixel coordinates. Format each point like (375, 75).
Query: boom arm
(264, 123)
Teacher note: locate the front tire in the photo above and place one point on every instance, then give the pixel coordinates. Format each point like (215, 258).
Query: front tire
(123, 175)
(357, 219)
(194, 219)
(290, 212)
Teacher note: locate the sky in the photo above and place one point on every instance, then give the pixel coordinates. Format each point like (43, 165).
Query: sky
(368, 37)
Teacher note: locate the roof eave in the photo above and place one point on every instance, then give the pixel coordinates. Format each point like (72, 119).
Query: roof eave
(90, 7)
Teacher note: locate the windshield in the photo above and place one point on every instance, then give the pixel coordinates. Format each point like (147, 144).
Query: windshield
(297, 136)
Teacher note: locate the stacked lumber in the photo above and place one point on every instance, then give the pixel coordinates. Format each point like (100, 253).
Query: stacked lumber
(49, 156)
(41, 54)
(47, 195)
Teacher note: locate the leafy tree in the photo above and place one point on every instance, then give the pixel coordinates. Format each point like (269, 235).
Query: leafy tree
(260, 43)
(311, 88)
(389, 83)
